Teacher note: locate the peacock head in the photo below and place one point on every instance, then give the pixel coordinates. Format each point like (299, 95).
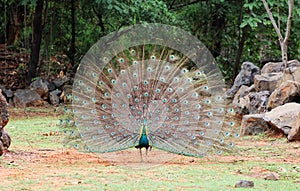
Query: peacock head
(145, 121)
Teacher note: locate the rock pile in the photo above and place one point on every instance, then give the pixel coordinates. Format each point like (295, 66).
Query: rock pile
(40, 92)
(5, 139)
(268, 98)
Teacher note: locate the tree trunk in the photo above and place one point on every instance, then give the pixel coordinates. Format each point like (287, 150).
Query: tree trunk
(242, 41)
(72, 48)
(13, 26)
(218, 23)
(37, 39)
(283, 41)
(284, 49)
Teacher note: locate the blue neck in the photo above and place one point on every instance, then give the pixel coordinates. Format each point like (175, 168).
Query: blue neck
(143, 141)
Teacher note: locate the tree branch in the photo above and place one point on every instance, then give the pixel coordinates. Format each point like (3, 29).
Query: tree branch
(289, 21)
(171, 4)
(273, 20)
(45, 14)
(185, 4)
(278, 12)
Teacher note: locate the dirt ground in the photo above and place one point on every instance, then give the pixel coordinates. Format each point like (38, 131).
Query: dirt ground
(34, 162)
(31, 163)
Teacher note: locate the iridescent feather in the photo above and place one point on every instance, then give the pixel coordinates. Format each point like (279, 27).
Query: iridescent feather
(144, 92)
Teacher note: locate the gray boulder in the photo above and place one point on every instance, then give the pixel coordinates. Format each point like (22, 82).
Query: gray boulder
(288, 91)
(275, 67)
(41, 87)
(267, 81)
(65, 96)
(281, 119)
(244, 184)
(241, 100)
(54, 98)
(272, 176)
(245, 77)
(248, 102)
(26, 98)
(292, 74)
(294, 134)
(8, 94)
(284, 116)
(254, 124)
(59, 82)
(258, 101)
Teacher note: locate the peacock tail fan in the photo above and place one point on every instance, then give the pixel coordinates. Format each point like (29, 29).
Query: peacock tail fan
(154, 76)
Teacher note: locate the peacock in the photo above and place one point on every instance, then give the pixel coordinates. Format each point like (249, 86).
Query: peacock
(149, 86)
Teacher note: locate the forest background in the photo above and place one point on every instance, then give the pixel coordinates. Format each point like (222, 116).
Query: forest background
(57, 34)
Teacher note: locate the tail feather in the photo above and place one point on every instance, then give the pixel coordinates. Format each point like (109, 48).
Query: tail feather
(180, 95)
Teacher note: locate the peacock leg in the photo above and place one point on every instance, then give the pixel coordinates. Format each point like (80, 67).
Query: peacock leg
(141, 154)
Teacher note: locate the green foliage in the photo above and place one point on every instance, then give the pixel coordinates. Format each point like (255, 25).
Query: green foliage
(133, 12)
(100, 17)
(215, 23)
(262, 43)
(218, 24)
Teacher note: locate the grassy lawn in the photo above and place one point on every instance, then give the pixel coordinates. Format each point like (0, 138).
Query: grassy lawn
(38, 161)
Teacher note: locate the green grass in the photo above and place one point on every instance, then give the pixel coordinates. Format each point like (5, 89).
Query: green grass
(202, 174)
(35, 132)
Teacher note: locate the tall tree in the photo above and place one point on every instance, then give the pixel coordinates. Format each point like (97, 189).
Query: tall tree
(242, 37)
(72, 48)
(38, 26)
(13, 27)
(282, 40)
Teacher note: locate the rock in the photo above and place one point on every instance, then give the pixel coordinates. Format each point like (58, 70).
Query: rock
(59, 82)
(258, 101)
(5, 139)
(242, 100)
(3, 111)
(254, 124)
(272, 176)
(54, 98)
(281, 119)
(248, 102)
(288, 91)
(244, 184)
(66, 94)
(286, 129)
(294, 134)
(267, 81)
(26, 98)
(245, 77)
(41, 87)
(7, 93)
(1, 149)
(283, 116)
(292, 74)
(272, 67)
(51, 86)
(9, 96)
